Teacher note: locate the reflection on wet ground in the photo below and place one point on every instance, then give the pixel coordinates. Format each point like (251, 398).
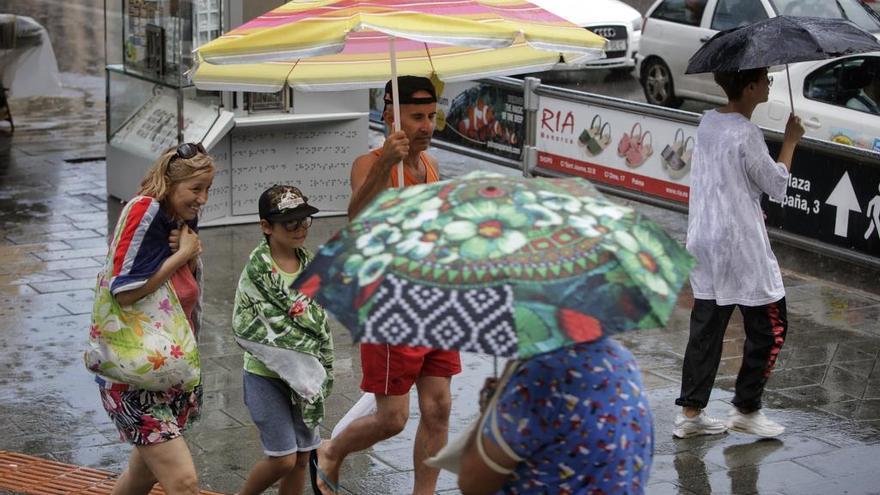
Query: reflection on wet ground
(53, 222)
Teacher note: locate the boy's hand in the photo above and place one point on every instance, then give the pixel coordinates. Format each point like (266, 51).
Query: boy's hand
(794, 130)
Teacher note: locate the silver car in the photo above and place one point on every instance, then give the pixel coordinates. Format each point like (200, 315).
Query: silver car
(674, 29)
(614, 20)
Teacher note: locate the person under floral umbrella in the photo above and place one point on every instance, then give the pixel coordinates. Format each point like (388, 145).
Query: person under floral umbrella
(537, 269)
(572, 420)
(391, 371)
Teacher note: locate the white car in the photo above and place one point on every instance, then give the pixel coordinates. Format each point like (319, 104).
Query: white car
(613, 20)
(674, 29)
(837, 100)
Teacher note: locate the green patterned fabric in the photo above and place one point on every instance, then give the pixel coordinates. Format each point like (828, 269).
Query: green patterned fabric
(256, 367)
(251, 363)
(285, 330)
(497, 265)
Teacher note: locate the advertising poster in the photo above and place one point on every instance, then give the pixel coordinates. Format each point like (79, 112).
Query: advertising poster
(616, 147)
(477, 116)
(482, 117)
(833, 198)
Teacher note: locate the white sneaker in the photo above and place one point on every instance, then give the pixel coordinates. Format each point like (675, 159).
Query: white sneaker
(701, 424)
(754, 423)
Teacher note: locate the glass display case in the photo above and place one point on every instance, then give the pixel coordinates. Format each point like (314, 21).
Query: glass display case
(151, 104)
(149, 53)
(255, 139)
(158, 36)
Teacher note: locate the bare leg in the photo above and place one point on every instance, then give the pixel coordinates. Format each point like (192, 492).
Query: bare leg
(269, 470)
(293, 483)
(137, 478)
(435, 402)
(392, 411)
(690, 412)
(172, 465)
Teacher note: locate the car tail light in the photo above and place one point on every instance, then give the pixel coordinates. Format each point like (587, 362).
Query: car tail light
(644, 24)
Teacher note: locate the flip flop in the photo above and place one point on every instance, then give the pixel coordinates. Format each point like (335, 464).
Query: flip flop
(315, 473)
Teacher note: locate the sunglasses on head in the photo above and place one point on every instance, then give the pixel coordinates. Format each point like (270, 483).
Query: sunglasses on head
(188, 150)
(294, 225)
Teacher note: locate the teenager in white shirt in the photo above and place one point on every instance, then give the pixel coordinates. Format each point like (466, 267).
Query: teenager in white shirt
(731, 169)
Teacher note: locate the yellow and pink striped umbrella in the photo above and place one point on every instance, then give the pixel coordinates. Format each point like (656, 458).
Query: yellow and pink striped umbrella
(344, 44)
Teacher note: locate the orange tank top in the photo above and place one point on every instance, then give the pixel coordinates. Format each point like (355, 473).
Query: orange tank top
(431, 174)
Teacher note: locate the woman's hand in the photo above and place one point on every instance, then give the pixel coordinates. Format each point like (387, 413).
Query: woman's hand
(187, 247)
(174, 240)
(189, 244)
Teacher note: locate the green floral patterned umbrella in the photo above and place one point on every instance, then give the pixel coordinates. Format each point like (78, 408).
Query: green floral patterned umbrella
(498, 265)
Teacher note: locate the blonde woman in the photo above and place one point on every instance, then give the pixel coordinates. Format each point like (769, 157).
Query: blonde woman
(156, 241)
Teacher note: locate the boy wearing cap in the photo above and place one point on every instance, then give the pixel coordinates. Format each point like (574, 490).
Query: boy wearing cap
(288, 359)
(390, 371)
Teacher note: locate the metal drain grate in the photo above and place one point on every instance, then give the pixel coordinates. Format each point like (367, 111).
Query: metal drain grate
(35, 476)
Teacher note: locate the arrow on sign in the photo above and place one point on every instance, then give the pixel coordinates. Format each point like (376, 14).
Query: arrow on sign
(844, 198)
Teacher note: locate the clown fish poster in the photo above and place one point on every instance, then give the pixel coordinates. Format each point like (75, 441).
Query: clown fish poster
(474, 115)
(482, 117)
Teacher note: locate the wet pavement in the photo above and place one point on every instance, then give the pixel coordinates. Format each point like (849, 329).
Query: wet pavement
(53, 223)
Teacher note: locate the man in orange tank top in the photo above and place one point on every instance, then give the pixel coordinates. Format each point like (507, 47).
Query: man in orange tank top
(390, 371)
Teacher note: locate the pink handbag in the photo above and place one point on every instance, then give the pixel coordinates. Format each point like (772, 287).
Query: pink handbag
(627, 140)
(639, 151)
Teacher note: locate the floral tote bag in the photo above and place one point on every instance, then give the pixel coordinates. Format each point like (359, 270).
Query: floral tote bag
(149, 344)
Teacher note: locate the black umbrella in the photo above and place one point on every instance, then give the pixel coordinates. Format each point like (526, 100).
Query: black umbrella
(781, 40)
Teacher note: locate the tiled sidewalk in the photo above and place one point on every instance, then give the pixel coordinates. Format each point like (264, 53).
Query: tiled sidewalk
(33, 475)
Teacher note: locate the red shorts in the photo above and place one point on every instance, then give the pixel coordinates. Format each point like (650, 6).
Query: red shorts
(393, 369)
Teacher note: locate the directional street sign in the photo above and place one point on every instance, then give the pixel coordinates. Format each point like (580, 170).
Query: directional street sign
(844, 198)
(829, 199)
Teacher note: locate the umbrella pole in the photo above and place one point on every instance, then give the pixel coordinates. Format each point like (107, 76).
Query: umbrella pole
(395, 93)
(790, 96)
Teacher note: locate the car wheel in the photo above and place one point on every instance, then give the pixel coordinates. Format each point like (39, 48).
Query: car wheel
(658, 86)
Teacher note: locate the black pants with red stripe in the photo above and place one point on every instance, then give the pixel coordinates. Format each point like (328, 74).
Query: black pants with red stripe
(765, 328)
